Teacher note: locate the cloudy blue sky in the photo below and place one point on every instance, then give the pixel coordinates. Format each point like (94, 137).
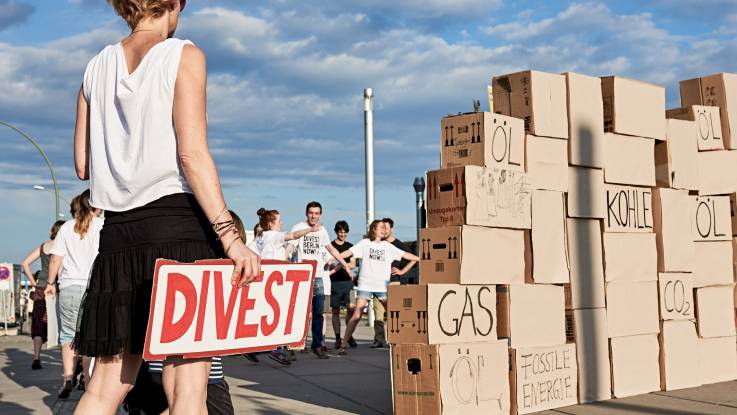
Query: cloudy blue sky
(286, 80)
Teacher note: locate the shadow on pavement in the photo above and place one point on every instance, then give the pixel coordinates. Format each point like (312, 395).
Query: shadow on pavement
(18, 369)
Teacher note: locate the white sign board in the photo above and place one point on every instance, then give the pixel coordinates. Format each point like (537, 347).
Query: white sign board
(196, 312)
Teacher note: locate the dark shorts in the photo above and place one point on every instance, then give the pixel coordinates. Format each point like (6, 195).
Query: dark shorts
(340, 294)
(149, 397)
(39, 317)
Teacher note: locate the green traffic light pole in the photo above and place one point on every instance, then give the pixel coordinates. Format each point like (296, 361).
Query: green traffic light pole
(46, 158)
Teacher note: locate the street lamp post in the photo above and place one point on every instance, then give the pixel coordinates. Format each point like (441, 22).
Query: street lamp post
(48, 163)
(368, 123)
(419, 186)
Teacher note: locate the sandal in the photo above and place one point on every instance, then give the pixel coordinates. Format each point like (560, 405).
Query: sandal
(341, 351)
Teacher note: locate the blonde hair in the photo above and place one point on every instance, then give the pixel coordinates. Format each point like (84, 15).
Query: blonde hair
(83, 213)
(133, 11)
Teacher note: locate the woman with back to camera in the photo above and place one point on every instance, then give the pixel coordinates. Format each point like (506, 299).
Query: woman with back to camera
(72, 254)
(141, 139)
(38, 281)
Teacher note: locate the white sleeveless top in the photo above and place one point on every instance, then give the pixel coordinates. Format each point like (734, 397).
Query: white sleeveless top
(133, 156)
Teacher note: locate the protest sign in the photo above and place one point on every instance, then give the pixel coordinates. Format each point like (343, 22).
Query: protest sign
(196, 312)
(543, 378)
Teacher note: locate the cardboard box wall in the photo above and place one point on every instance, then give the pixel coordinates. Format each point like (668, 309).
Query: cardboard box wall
(588, 329)
(719, 90)
(585, 189)
(675, 296)
(633, 107)
(671, 212)
(543, 378)
(717, 360)
(676, 164)
(549, 248)
(733, 211)
(629, 160)
(585, 120)
(632, 308)
(708, 125)
(711, 218)
(461, 255)
(461, 379)
(539, 98)
(458, 313)
(678, 355)
(482, 139)
(635, 365)
(531, 315)
(717, 170)
(586, 262)
(715, 313)
(628, 208)
(473, 195)
(630, 257)
(713, 263)
(547, 163)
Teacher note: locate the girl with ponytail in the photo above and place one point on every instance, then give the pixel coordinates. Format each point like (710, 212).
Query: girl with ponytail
(73, 252)
(270, 242)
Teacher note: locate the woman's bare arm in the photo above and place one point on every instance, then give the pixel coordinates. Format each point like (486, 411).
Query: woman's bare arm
(191, 126)
(82, 137)
(31, 258)
(55, 265)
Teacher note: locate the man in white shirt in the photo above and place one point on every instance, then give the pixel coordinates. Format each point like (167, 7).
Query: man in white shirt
(310, 247)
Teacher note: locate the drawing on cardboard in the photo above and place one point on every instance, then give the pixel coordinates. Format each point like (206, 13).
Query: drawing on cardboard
(467, 374)
(500, 193)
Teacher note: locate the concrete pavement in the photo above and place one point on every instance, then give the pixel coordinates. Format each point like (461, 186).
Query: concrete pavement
(358, 383)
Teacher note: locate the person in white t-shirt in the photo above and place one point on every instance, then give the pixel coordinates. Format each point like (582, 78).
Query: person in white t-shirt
(376, 257)
(311, 247)
(73, 252)
(270, 242)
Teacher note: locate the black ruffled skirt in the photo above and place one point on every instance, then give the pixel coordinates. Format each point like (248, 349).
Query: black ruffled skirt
(114, 312)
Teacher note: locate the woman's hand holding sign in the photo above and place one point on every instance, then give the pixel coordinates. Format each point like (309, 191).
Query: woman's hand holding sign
(247, 263)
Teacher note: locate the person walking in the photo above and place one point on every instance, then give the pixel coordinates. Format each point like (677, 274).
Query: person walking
(72, 253)
(141, 140)
(270, 243)
(341, 284)
(39, 280)
(309, 247)
(376, 257)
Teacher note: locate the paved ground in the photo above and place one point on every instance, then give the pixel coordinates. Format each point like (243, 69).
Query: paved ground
(358, 383)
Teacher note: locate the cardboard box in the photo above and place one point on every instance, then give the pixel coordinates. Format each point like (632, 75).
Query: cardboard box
(708, 125)
(461, 255)
(585, 187)
(473, 195)
(547, 163)
(586, 262)
(633, 107)
(588, 329)
(482, 139)
(464, 378)
(714, 264)
(629, 160)
(733, 211)
(715, 311)
(635, 365)
(717, 170)
(630, 257)
(459, 313)
(671, 213)
(549, 248)
(531, 315)
(711, 218)
(717, 360)
(632, 308)
(585, 120)
(628, 208)
(679, 360)
(543, 378)
(719, 90)
(675, 295)
(539, 98)
(676, 165)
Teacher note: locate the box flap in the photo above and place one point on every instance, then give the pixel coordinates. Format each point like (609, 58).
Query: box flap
(632, 308)
(547, 163)
(585, 187)
(585, 120)
(629, 160)
(713, 263)
(586, 260)
(715, 311)
(550, 258)
(671, 213)
(536, 315)
(635, 367)
(630, 257)
(678, 355)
